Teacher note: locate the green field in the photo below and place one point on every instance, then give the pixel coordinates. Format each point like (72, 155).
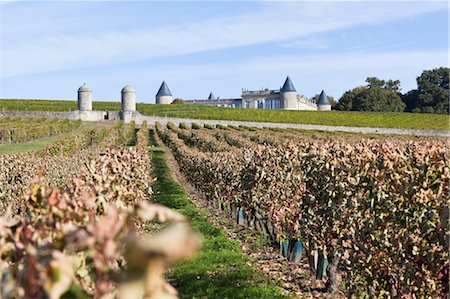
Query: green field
(29, 146)
(331, 118)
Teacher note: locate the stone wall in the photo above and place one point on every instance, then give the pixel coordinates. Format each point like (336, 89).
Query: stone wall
(69, 115)
(91, 115)
(302, 105)
(112, 115)
(83, 115)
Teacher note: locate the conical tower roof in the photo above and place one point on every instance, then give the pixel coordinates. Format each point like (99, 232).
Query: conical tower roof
(84, 87)
(164, 90)
(323, 99)
(288, 85)
(211, 96)
(128, 88)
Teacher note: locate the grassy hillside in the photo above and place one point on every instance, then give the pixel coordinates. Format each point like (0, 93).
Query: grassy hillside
(332, 118)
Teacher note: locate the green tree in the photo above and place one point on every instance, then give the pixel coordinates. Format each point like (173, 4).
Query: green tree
(432, 93)
(378, 99)
(410, 100)
(374, 82)
(393, 85)
(377, 95)
(346, 101)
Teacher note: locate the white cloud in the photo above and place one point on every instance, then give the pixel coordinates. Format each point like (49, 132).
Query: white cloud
(311, 73)
(335, 73)
(275, 22)
(310, 65)
(311, 42)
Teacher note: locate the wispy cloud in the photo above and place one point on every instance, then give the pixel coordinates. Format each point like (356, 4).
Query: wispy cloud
(309, 65)
(274, 22)
(334, 72)
(309, 42)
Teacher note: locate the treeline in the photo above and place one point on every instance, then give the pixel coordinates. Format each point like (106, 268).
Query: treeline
(431, 95)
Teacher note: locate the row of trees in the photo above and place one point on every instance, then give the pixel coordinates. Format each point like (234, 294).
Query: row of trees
(431, 95)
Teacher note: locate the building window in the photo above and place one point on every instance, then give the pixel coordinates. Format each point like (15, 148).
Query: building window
(276, 104)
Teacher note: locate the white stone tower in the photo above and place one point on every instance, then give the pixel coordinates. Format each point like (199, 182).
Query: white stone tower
(128, 98)
(323, 104)
(289, 96)
(84, 98)
(164, 96)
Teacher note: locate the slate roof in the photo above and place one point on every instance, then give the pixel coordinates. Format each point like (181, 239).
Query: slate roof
(211, 96)
(288, 86)
(164, 90)
(323, 99)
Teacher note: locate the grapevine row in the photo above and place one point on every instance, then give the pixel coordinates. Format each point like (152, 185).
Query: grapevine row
(14, 130)
(377, 211)
(83, 239)
(200, 140)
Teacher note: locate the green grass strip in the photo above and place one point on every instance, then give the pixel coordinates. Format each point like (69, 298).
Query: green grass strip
(34, 145)
(220, 270)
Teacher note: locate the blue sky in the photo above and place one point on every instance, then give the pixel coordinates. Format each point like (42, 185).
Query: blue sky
(50, 48)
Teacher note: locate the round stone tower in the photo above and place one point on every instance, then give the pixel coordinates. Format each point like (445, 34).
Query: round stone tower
(128, 98)
(164, 96)
(323, 104)
(84, 98)
(289, 96)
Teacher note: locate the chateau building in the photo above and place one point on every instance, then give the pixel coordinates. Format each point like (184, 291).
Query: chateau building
(285, 98)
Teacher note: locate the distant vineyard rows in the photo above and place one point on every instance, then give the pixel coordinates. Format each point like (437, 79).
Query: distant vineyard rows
(57, 163)
(14, 129)
(376, 209)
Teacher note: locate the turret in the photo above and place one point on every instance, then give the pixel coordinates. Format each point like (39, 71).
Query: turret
(323, 104)
(164, 96)
(128, 98)
(289, 95)
(84, 98)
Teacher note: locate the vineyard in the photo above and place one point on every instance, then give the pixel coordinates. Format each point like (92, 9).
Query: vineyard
(82, 216)
(14, 130)
(369, 214)
(424, 121)
(78, 220)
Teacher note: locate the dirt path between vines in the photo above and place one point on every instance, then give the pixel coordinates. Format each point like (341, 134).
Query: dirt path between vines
(295, 278)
